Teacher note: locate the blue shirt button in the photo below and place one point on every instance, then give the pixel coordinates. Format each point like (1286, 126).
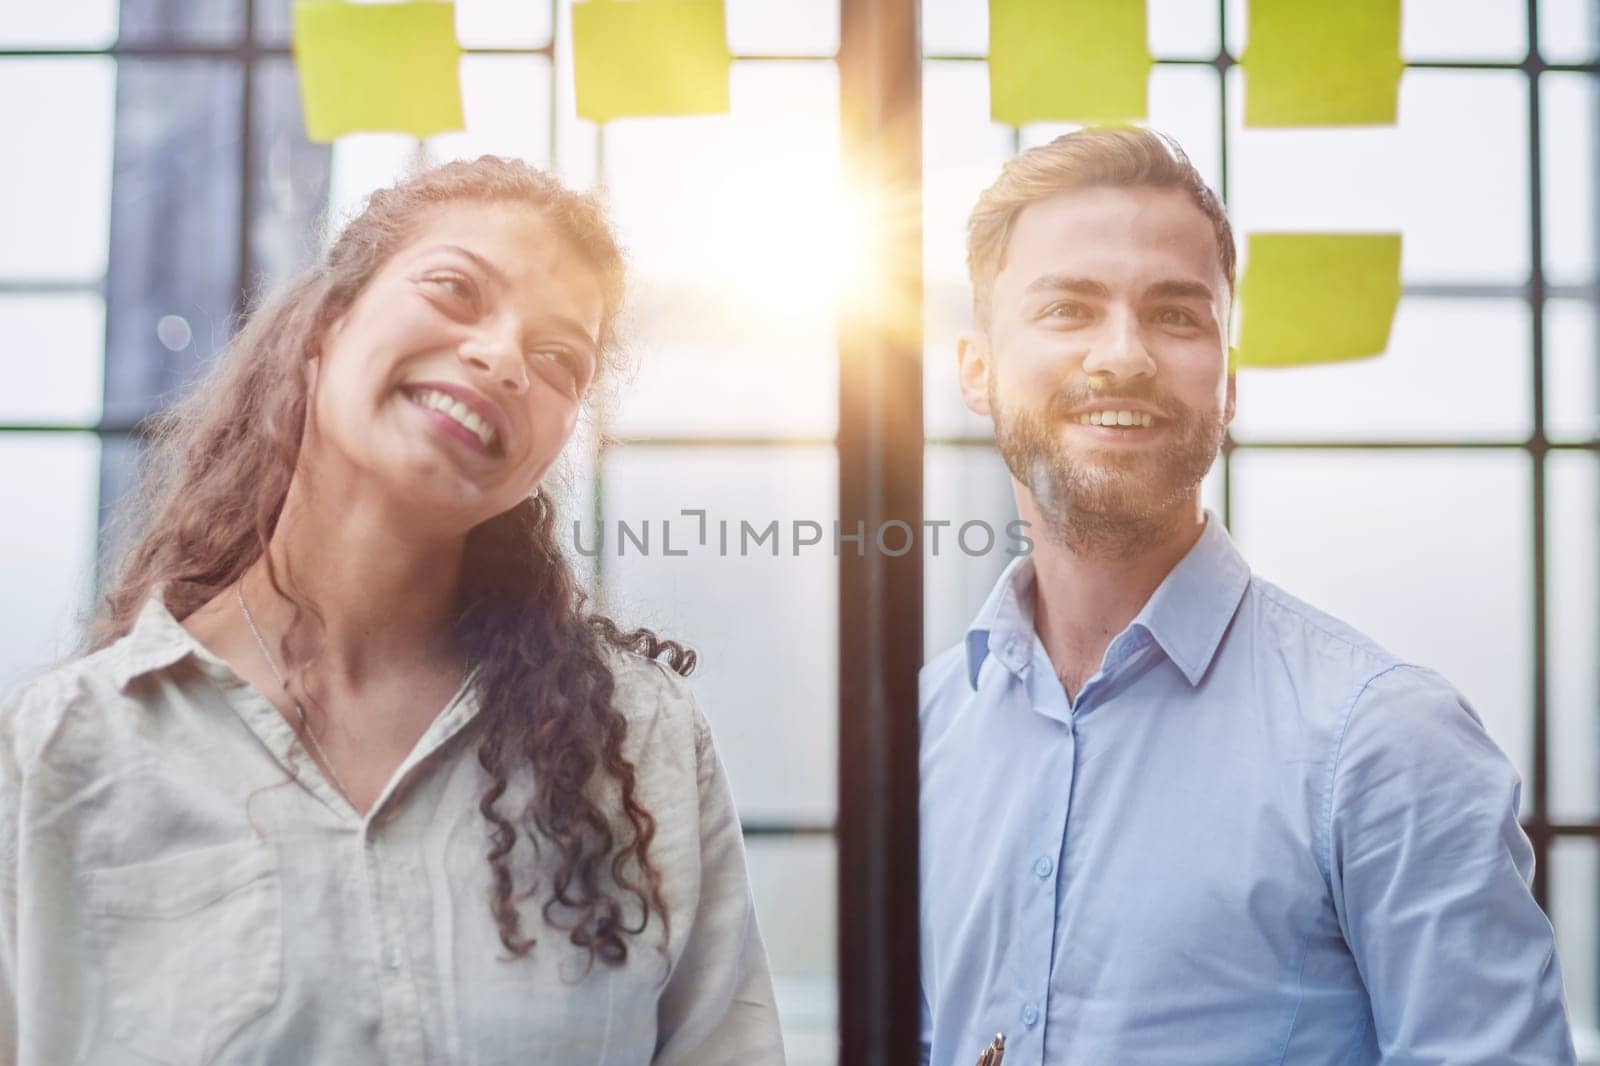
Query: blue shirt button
(1030, 1015)
(1043, 867)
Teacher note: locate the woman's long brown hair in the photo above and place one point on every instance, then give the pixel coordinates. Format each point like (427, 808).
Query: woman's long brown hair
(218, 471)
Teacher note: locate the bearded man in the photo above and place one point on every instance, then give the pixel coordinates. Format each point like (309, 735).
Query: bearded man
(1170, 813)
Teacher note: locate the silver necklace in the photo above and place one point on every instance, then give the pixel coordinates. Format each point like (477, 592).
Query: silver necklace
(305, 726)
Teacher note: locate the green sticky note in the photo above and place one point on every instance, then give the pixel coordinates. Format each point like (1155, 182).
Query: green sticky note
(650, 57)
(1317, 297)
(1084, 61)
(377, 68)
(1322, 63)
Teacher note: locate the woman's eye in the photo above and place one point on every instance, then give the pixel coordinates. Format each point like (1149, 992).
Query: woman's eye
(458, 287)
(563, 362)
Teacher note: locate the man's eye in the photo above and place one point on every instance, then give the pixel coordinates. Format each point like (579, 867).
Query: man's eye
(1064, 310)
(1175, 316)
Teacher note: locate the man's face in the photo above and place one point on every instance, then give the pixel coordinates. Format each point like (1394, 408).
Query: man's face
(1110, 308)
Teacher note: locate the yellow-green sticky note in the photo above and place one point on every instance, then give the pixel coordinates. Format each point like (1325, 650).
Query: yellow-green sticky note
(1317, 297)
(634, 58)
(1084, 61)
(1334, 63)
(391, 67)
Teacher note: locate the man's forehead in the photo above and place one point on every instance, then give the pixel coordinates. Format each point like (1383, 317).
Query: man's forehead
(1116, 234)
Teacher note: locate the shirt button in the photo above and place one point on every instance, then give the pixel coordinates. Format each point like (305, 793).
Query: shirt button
(1043, 867)
(1030, 1015)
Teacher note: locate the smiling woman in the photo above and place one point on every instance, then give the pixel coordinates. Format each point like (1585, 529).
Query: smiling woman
(346, 710)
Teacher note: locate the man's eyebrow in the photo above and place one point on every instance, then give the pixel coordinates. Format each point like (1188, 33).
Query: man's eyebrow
(1180, 290)
(494, 272)
(1062, 283)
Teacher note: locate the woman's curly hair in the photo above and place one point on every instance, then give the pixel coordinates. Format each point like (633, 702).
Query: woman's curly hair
(218, 471)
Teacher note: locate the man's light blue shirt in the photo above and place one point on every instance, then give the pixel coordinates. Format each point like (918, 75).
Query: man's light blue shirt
(1254, 837)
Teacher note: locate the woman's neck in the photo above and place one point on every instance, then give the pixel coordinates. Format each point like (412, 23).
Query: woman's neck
(385, 588)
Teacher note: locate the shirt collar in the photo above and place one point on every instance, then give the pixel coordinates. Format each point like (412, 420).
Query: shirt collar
(1186, 615)
(154, 642)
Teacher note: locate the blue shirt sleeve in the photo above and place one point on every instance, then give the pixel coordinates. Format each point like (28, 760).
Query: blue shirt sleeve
(1430, 870)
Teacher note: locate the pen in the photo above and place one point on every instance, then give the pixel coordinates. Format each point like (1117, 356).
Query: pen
(995, 1053)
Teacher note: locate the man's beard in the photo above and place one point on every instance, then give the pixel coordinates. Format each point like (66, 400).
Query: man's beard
(1118, 501)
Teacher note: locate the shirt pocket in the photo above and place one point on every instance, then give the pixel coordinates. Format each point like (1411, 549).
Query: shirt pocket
(189, 949)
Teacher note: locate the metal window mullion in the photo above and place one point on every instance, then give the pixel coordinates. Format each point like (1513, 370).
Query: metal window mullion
(1537, 453)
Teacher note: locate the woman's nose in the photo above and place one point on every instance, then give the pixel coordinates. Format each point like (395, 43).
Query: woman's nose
(495, 354)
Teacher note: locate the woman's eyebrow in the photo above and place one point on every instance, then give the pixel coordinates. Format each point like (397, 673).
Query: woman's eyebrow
(497, 275)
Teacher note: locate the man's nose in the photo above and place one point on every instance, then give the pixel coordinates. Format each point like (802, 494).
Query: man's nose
(1119, 351)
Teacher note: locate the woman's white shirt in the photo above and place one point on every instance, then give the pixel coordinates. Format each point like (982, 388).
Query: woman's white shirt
(169, 894)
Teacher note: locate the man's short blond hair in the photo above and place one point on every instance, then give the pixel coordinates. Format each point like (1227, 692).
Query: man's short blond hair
(1087, 158)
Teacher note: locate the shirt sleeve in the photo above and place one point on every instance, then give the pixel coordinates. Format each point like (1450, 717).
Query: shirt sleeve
(1430, 872)
(718, 1005)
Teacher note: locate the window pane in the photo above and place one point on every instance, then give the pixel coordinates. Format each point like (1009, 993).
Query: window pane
(1567, 123)
(81, 24)
(289, 182)
(783, 27)
(1427, 553)
(1455, 369)
(962, 151)
(174, 272)
(795, 888)
(962, 484)
(56, 345)
(55, 214)
(1572, 497)
(1571, 354)
(1574, 909)
(362, 163)
(955, 27)
(506, 104)
(1464, 29)
(577, 139)
(174, 22)
(730, 289)
(47, 560)
(503, 23)
(1452, 177)
(1183, 29)
(770, 689)
(1438, 29)
(1569, 30)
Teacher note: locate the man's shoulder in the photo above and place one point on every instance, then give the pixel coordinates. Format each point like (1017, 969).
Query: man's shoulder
(943, 675)
(1302, 634)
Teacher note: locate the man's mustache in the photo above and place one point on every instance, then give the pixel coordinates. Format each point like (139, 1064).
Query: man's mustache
(1062, 404)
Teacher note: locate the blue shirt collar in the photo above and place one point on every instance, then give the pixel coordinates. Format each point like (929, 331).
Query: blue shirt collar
(1186, 615)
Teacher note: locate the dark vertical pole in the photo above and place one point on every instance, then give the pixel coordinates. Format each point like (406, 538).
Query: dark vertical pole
(880, 595)
(1538, 452)
(1224, 62)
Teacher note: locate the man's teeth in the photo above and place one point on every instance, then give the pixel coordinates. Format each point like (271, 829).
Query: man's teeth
(1117, 418)
(457, 410)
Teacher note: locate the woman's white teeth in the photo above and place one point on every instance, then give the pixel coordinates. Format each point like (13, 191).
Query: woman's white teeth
(1117, 418)
(457, 410)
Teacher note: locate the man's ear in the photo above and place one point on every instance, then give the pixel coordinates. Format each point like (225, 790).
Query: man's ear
(973, 368)
(1232, 400)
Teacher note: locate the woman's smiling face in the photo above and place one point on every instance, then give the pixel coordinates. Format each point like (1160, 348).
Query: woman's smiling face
(455, 378)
